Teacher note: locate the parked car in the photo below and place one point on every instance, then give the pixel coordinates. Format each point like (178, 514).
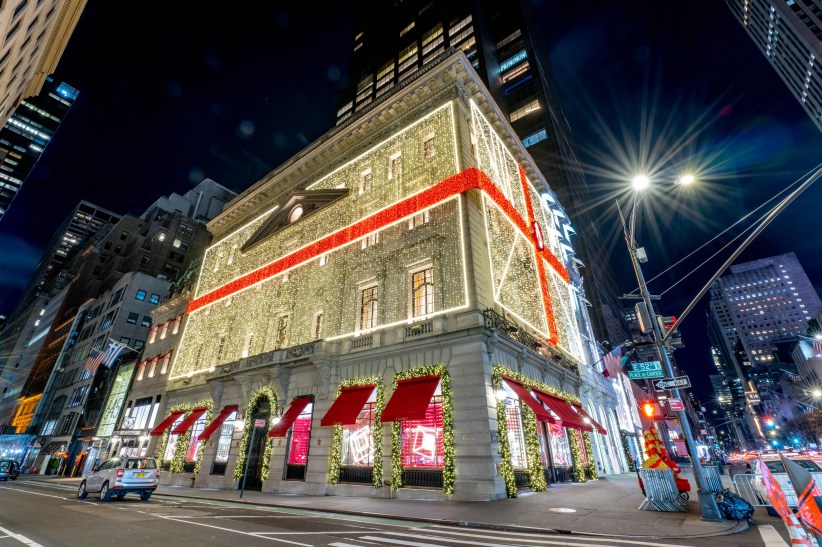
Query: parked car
(9, 469)
(777, 468)
(120, 476)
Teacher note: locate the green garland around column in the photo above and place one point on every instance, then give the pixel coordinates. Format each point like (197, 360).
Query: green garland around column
(250, 410)
(576, 458)
(591, 468)
(177, 464)
(448, 473)
(627, 449)
(529, 424)
(335, 454)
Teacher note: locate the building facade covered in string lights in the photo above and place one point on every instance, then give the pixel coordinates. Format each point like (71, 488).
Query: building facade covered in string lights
(396, 305)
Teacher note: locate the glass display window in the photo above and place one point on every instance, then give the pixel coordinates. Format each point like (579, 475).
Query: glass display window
(358, 438)
(560, 450)
(224, 441)
(300, 437)
(422, 440)
(194, 442)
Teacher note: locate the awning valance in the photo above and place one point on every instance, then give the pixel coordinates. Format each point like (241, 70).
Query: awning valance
(586, 416)
(294, 410)
(525, 396)
(189, 420)
(411, 399)
(563, 409)
(165, 424)
(217, 422)
(348, 405)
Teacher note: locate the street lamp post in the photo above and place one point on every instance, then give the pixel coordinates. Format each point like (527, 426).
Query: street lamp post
(707, 503)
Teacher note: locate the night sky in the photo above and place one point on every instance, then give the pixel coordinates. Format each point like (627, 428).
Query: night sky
(230, 94)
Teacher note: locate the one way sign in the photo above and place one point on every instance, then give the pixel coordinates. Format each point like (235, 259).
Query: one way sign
(672, 383)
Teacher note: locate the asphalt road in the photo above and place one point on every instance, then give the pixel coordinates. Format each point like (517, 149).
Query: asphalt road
(37, 513)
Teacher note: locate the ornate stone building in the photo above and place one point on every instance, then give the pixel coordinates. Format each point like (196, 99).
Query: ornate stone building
(397, 305)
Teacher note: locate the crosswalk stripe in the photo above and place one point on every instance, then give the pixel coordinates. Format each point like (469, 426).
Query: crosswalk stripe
(523, 537)
(339, 544)
(770, 536)
(511, 541)
(401, 542)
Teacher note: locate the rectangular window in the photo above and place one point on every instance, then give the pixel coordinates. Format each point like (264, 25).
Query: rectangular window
(166, 360)
(534, 138)
(512, 61)
(422, 292)
(317, 326)
(125, 340)
(171, 444)
(132, 318)
(560, 451)
(516, 72)
(408, 57)
(224, 441)
(193, 442)
(155, 298)
(370, 241)
(422, 440)
(138, 344)
(395, 166)
(419, 219)
(300, 437)
(141, 295)
(368, 307)
(358, 439)
(49, 427)
(249, 341)
(365, 181)
(516, 435)
(78, 396)
(525, 109)
(146, 322)
(282, 330)
(429, 150)
(152, 335)
(107, 320)
(177, 322)
(140, 412)
(185, 230)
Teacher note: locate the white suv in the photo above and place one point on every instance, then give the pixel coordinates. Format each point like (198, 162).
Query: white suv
(120, 476)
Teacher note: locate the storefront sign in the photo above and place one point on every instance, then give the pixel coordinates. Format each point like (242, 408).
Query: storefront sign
(676, 404)
(259, 423)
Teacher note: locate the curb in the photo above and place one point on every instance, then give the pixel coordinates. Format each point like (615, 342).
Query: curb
(737, 528)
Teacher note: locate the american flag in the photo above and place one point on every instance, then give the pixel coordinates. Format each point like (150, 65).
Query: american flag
(612, 363)
(107, 358)
(817, 345)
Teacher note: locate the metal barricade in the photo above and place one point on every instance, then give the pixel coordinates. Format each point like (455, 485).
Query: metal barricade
(749, 487)
(713, 479)
(661, 493)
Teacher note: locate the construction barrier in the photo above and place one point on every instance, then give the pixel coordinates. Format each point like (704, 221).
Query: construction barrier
(747, 487)
(778, 499)
(713, 480)
(661, 493)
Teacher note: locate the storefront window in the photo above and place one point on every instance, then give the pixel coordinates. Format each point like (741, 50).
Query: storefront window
(560, 451)
(171, 445)
(543, 446)
(516, 435)
(358, 439)
(300, 437)
(422, 440)
(583, 455)
(194, 442)
(224, 441)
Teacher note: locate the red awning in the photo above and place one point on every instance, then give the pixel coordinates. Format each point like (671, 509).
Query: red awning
(294, 409)
(348, 405)
(165, 424)
(217, 422)
(411, 399)
(525, 396)
(593, 422)
(564, 411)
(192, 417)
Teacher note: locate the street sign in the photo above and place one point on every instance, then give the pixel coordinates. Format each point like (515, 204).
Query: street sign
(672, 383)
(676, 404)
(648, 369)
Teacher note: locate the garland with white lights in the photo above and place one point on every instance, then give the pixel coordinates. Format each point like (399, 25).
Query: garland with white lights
(335, 455)
(253, 404)
(529, 424)
(447, 428)
(177, 464)
(627, 449)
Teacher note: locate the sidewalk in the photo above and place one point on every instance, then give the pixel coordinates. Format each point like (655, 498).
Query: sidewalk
(607, 506)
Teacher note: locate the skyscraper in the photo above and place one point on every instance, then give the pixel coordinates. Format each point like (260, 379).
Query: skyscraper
(394, 42)
(27, 133)
(789, 34)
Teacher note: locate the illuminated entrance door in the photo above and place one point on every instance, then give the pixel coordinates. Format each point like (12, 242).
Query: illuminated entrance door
(256, 450)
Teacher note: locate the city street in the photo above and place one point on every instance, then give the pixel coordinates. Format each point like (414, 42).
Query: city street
(40, 513)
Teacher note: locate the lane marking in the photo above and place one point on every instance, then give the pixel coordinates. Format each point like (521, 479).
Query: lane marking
(47, 495)
(21, 538)
(446, 530)
(401, 542)
(770, 536)
(235, 531)
(466, 542)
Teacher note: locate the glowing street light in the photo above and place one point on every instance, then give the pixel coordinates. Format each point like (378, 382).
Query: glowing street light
(640, 182)
(686, 179)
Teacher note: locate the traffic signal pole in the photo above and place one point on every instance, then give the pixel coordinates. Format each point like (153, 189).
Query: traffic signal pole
(707, 503)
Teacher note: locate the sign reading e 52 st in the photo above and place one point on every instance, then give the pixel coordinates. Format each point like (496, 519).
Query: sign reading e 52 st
(649, 369)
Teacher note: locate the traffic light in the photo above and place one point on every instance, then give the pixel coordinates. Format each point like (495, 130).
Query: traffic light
(651, 410)
(667, 322)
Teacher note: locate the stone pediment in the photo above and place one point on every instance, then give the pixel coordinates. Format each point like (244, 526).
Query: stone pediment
(297, 206)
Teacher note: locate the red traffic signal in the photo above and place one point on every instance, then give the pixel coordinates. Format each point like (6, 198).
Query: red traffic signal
(651, 410)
